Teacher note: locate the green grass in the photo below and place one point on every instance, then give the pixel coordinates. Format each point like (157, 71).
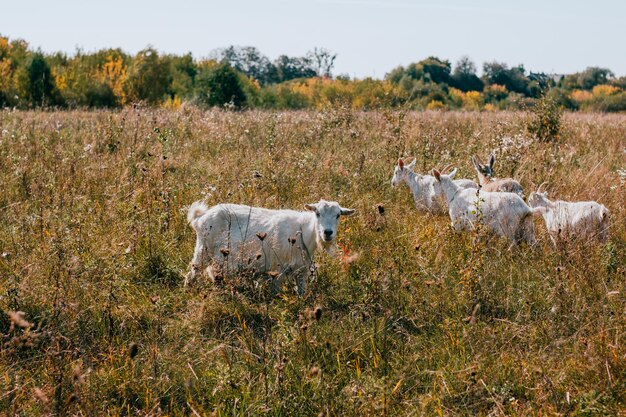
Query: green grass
(422, 321)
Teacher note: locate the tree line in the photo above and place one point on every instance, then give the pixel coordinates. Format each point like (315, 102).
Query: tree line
(242, 77)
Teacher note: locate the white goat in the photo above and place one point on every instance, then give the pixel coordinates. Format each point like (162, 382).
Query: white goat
(505, 214)
(426, 196)
(235, 238)
(582, 219)
(489, 183)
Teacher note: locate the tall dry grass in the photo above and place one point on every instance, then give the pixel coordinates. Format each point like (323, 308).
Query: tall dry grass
(409, 319)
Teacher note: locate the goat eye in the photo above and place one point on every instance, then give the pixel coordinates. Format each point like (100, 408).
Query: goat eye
(338, 215)
(317, 214)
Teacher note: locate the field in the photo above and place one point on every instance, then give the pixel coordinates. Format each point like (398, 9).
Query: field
(409, 318)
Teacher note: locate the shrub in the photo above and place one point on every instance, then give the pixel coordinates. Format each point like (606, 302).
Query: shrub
(545, 124)
(219, 86)
(435, 105)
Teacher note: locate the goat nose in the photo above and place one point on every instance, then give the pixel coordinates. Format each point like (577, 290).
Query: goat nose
(328, 232)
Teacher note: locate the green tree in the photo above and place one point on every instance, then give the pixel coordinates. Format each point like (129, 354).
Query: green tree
(183, 71)
(436, 70)
(148, 77)
(251, 62)
(40, 85)
(219, 86)
(290, 68)
(513, 79)
(464, 77)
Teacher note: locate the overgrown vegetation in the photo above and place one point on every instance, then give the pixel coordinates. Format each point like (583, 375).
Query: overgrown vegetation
(545, 123)
(242, 77)
(409, 319)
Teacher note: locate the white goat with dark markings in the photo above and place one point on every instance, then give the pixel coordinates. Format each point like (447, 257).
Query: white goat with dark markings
(233, 238)
(427, 197)
(581, 219)
(505, 214)
(489, 183)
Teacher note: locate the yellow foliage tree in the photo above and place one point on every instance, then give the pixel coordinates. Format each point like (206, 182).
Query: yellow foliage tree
(435, 105)
(580, 96)
(604, 90)
(113, 73)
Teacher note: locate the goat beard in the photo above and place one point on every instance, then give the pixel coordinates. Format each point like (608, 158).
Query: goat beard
(329, 247)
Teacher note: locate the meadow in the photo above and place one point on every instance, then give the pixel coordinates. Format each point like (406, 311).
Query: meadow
(408, 319)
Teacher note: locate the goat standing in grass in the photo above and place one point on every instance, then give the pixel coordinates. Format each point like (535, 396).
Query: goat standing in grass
(505, 214)
(425, 195)
(489, 183)
(581, 220)
(234, 239)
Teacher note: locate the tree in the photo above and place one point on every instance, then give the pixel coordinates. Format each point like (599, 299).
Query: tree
(219, 86)
(40, 85)
(148, 77)
(593, 76)
(323, 61)
(290, 68)
(438, 71)
(464, 77)
(250, 61)
(183, 70)
(513, 79)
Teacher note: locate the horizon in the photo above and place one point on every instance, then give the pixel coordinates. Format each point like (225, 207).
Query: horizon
(276, 28)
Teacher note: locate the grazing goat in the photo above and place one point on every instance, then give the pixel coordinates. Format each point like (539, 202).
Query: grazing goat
(427, 197)
(505, 214)
(491, 184)
(234, 238)
(582, 219)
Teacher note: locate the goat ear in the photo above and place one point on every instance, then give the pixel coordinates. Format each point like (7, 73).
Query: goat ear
(453, 173)
(437, 175)
(310, 207)
(475, 162)
(492, 159)
(347, 212)
(400, 163)
(412, 164)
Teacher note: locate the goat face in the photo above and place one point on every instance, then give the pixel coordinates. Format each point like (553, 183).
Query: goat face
(538, 199)
(485, 170)
(401, 172)
(327, 215)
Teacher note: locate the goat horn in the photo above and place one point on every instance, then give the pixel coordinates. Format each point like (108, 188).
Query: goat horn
(541, 185)
(446, 168)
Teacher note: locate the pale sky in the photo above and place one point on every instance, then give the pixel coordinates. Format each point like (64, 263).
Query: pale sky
(371, 37)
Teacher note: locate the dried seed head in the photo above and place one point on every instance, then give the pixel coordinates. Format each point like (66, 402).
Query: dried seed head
(273, 274)
(292, 240)
(381, 209)
(225, 252)
(40, 395)
(314, 372)
(258, 256)
(133, 349)
(318, 313)
(17, 319)
(261, 236)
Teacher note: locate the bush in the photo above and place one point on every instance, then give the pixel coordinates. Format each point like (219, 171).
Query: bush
(219, 86)
(545, 125)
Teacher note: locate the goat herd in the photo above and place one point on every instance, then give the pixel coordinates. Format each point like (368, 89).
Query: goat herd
(235, 238)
